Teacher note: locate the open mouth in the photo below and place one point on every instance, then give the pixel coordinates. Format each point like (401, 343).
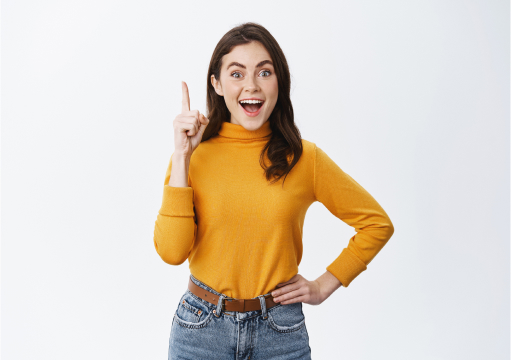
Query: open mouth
(251, 107)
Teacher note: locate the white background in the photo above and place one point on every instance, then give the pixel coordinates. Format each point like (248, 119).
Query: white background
(411, 98)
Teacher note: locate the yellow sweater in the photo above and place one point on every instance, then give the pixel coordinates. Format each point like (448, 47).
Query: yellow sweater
(243, 236)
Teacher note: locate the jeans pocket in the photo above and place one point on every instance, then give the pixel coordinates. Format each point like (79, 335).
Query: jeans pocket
(193, 312)
(286, 318)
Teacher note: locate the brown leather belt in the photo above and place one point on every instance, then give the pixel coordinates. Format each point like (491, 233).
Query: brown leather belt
(240, 305)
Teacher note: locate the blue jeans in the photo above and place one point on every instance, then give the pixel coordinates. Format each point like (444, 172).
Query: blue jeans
(198, 333)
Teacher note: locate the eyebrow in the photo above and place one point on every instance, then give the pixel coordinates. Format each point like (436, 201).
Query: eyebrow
(234, 63)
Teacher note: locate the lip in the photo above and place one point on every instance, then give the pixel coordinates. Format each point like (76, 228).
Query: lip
(251, 99)
(249, 113)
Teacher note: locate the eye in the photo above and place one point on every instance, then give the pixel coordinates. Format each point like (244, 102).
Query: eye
(234, 73)
(266, 71)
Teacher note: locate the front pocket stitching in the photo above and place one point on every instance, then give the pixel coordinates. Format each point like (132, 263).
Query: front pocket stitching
(285, 329)
(191, 325)
(275, 307)
(190, 307)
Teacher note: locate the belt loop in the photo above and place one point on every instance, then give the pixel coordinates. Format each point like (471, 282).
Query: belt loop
(262, 300)
(219, 305)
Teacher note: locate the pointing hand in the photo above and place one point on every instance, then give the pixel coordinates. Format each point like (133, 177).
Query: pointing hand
(188, 126)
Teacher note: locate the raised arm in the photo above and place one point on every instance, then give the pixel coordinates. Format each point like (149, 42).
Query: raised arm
(175, 228)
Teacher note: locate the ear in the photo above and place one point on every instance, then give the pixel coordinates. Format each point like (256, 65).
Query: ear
(216, 84)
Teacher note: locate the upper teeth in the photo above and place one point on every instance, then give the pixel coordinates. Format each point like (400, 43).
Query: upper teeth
(250, 101)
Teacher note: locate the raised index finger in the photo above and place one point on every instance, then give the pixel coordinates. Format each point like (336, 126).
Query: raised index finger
(186, 97)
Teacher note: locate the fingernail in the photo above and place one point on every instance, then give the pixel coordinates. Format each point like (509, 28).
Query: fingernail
(274, 293)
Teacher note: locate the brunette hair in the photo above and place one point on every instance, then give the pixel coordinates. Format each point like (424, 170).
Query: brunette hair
(285, 142)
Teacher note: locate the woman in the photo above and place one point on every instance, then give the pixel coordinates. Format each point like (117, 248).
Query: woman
(229, 210)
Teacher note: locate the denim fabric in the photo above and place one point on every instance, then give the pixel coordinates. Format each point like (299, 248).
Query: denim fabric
(278, 333)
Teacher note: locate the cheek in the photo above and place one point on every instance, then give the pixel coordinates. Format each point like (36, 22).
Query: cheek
(274, 91)
(233, 103)
(231, 94)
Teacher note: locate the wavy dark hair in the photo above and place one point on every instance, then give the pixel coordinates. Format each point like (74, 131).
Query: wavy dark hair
(285, 142)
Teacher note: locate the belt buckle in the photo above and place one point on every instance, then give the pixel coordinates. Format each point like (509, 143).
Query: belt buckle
(228, 299)
(223, 303)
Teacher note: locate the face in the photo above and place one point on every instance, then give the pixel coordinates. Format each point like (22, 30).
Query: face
(247, 73)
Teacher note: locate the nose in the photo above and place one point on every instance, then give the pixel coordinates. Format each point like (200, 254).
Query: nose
(251, 85)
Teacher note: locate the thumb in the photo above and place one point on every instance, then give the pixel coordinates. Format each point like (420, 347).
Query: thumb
(204, 120)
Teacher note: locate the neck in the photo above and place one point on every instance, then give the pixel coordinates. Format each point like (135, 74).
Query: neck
(235, 131)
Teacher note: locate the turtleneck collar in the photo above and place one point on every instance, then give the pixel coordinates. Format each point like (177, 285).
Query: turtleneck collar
(235, 131)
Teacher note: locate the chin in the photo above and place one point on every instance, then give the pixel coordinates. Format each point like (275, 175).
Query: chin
(252, 124)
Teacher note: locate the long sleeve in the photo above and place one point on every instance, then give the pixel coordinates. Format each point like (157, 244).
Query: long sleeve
(176, 224)
(351, 203)
(243, 235)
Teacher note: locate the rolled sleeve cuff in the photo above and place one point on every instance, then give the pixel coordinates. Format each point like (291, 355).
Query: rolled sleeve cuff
(177, 201)
(346, 267)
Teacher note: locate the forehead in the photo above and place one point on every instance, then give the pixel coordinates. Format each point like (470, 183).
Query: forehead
(247, 54)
